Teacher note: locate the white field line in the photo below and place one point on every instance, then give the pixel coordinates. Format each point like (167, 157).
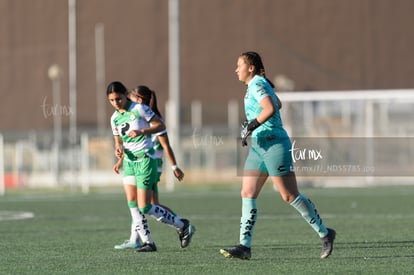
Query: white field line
(15, 215)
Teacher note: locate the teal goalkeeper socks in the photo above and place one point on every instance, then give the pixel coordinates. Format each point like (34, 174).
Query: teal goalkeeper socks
(308, 211)
(247, 221)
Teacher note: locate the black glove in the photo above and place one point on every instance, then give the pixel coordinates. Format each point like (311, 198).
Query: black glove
(247, 129)
(253, 124)
(244, 133)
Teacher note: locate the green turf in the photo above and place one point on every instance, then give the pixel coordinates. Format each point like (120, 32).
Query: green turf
(75, 234)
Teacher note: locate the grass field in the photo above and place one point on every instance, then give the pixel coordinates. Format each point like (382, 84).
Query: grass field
(75, 234)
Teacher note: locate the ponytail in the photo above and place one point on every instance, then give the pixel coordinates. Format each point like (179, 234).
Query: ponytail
(253, 58)
(153, 104)
(149, 98)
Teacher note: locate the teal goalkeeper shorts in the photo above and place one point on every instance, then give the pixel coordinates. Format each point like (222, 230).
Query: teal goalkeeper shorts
(142, 173)
(270, 155)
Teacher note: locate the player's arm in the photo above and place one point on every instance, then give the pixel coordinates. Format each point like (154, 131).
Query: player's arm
(165, 143)
(268, 109)
(119, 148)
(156, 125)
(118, 165)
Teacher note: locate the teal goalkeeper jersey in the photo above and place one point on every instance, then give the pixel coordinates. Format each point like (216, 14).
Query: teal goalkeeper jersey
(137, 116)
(257, 89)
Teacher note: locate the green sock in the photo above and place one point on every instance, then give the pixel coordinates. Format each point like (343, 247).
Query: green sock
(247, 221)
(308, 211)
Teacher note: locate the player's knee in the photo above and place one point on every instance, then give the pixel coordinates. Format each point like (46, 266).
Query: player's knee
(252, 194)
(145, 209)
(288, 198)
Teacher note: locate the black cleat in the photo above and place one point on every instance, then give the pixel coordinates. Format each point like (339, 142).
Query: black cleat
(327, 243)
(239, 251)
(147, 247)
(186, 233)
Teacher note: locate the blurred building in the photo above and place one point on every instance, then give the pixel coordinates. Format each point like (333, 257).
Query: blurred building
(319, 45)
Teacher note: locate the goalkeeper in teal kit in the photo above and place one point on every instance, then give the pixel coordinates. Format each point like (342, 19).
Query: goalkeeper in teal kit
(269, 157)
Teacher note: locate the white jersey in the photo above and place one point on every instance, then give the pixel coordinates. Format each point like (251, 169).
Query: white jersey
(158, 150)
(136, 117)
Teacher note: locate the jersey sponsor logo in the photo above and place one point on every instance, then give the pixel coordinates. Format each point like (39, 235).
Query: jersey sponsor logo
(124, 128)
(260, 89)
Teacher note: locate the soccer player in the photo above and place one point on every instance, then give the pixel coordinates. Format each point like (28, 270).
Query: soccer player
(144, 95)
(132, 126)
(268, 156)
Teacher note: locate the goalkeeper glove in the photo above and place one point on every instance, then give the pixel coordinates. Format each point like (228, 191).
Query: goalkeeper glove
(247, 129)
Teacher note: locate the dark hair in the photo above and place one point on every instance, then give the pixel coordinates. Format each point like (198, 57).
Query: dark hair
(254, 59)
(116, 87)
(148, 98)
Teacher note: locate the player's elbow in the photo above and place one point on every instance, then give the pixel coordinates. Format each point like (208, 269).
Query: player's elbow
(159, 126)
(162, 127)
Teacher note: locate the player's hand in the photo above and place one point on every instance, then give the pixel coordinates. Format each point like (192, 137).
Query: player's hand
(179, 174)
(117, 167)
(134, 133)
(245, 133)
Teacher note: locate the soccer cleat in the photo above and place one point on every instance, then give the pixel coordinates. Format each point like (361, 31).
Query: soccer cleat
(147, 247)
(239, 251)
(186, 233)
(327, 243)
(127, 245)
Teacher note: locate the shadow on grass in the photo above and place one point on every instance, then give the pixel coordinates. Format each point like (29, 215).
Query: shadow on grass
(359, 250)
(378, 244)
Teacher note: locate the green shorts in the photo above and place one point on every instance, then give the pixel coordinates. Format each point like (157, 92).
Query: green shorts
(142, 173)
(159, 169)
(271, 155)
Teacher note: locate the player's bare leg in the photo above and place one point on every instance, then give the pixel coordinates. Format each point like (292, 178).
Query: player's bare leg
(289, 192)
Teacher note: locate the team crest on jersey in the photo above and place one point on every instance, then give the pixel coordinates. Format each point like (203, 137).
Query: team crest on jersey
(132, 117)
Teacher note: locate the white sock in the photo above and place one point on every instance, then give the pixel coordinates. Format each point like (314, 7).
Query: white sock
(141, 226)
(163, 215)
(133, 238)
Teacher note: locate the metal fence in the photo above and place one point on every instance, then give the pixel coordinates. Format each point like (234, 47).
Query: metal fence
(212, 153)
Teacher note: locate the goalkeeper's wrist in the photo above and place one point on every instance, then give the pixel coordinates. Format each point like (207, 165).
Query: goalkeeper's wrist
(253, 125)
